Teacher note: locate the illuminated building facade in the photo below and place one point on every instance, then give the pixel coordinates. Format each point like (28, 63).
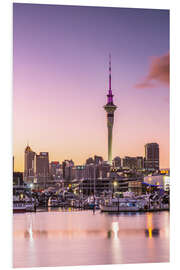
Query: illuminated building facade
(162, 181)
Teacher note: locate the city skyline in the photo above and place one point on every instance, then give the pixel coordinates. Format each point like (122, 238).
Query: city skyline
(60, 89)
(60, 162)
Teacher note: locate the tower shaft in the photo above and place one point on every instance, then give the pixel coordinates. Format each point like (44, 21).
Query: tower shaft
(110, 129)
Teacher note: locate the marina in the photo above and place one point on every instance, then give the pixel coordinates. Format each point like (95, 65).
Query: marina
(26, 201)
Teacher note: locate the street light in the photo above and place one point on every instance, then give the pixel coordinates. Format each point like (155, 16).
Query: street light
(115, 183)
(31, 185)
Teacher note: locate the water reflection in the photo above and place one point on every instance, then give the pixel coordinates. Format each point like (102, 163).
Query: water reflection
(151, 231)
(122, 214)
(90, 239)
(116, 244)
(32, 232)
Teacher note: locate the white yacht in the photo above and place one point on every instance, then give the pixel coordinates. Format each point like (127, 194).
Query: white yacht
(22, 205)
(120, 205)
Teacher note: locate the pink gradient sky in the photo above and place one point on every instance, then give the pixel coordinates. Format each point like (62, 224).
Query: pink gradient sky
(60, 77)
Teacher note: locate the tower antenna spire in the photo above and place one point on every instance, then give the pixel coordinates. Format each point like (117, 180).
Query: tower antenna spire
(109, 71)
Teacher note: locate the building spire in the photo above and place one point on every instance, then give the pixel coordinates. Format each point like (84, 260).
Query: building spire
(109, 72)
(110, 95)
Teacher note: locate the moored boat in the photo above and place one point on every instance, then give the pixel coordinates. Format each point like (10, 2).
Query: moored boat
(19, 207)
(120, 205)
(23, 205)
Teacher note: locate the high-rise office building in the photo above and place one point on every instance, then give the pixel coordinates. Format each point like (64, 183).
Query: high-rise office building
(110, 109)
(152, 156)
(68, 170)
(29, 162)
(55, 170)
(42, 167)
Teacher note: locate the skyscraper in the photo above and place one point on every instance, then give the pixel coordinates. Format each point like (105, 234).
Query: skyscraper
(110, 109)
(68, 170)
(42, 167)
(152, 156)
(29, 157)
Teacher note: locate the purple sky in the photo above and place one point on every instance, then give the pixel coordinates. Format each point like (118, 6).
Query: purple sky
(61, 80)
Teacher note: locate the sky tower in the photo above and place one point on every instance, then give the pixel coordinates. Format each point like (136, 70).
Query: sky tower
(110, 109)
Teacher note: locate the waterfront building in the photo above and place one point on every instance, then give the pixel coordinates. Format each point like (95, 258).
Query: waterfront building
(42, 167)
(110, 109)
(111, 184)
(162, 181)
(29, 165)
(152, 156)
(136, 187)
(165, 171)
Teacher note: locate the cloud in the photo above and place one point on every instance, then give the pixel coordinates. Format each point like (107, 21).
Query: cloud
(158, 71)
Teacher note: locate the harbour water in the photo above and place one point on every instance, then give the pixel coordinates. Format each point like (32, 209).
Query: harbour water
(57, 237)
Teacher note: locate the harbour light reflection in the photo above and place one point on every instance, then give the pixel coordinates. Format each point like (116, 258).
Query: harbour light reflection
(102, 239)
(116, 243)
